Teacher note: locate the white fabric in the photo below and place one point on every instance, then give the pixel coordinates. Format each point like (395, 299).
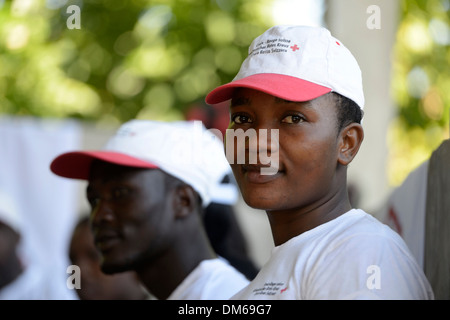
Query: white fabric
(47, 203)
(353, 256)
(320, 58)
(184, 149)
(213, 279)
(225, 193)
(38, 283)
(405, 210)
(9, 214)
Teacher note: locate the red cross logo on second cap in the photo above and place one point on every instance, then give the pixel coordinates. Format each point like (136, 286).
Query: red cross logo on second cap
(295, 47)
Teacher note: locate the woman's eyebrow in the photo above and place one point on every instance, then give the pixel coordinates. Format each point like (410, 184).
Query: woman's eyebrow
(303, 104)
(280, 100)
(240, 101)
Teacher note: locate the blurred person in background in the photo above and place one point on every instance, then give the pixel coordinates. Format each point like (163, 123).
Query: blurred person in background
(20, 280)
(223, 229)
(10, 263)
(148, 188)
(221, 223)
(95, 285)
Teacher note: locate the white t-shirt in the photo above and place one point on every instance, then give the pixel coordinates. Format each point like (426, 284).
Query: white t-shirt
(213, 279)
(405, 211)
(354, 256)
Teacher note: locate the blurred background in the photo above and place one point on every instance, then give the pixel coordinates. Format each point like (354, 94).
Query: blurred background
(64, 87)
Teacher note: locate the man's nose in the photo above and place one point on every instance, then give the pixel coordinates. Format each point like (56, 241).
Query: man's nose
(102, 212)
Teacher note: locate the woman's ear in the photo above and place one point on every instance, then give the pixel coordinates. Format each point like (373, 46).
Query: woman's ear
(351, 138)
(184, 201)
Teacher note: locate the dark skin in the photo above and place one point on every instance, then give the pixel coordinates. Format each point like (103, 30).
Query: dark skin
(142, 223)
(310, 186)
(95, 285)
(10, 264)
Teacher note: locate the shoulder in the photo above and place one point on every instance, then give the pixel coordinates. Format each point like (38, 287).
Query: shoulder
(354, 237)
(359, 233)
(212, 279)
(372, 258)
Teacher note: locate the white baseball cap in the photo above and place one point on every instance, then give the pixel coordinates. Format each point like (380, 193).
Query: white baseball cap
(296, 63)
(225, 192)
(9, 213)
(183, 149)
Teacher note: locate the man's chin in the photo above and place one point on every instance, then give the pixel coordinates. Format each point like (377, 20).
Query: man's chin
(109, 268)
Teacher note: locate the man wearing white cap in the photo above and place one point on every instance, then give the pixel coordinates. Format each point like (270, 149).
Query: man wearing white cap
(147, 189)
(305, 86)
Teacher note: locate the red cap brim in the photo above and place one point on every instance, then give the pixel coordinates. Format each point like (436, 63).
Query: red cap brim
(77, 164)
(278, 85)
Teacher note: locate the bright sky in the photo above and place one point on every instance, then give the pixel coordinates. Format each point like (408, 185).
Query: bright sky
(305, 12)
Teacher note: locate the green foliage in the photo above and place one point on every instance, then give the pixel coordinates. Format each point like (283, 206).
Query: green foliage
(148, 59)
(422, 63)
(420, 85)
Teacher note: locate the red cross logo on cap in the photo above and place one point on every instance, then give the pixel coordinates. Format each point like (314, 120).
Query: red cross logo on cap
(295, 47)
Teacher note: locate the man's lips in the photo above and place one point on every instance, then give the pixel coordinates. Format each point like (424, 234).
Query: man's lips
(253, 173)
(106, 241)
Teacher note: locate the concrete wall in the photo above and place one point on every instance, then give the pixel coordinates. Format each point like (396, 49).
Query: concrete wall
(350, 22)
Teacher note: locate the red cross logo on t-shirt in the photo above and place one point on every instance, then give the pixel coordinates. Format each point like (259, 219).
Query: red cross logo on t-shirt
(295, 47)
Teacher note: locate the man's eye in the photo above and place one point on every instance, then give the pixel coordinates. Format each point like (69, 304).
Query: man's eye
(118, 193)
(241, 118)
(93, 201)
(293, 119)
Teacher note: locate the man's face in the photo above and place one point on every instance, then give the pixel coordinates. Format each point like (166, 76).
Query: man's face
(131, 220)
(95, 285)
(306, 150)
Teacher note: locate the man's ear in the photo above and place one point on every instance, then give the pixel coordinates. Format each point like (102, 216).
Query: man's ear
(350, 139)
(184, 201)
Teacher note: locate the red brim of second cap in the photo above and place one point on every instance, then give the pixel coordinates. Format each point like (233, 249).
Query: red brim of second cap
(278, 85)
(77, 164)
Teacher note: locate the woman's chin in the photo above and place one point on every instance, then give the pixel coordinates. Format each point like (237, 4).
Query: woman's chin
(260, 203)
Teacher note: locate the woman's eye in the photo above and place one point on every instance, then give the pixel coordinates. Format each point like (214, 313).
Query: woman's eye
(293, 119)
(241, 118)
